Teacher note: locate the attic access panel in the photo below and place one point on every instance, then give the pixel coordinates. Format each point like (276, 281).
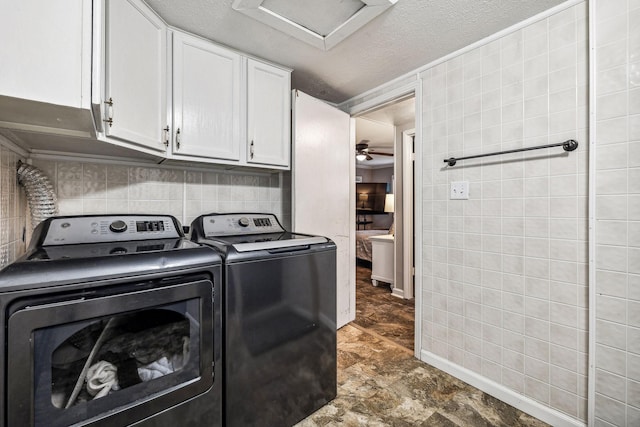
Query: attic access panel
(322, 24)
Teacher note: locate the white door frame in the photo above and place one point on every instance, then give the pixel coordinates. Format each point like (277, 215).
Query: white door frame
(407, 214)
(378, 101)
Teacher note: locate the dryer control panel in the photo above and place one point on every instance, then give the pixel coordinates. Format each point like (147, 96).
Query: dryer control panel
(109, 228)
(237, 224)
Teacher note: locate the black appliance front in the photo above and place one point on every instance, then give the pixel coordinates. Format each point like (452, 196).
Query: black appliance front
(280, 336)
(118, 354)
(111, 334)
(279, 316)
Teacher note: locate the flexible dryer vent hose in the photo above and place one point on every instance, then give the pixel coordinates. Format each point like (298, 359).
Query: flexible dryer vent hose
(41, 197)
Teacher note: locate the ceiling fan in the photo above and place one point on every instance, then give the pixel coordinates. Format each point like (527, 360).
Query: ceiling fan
(363, 152)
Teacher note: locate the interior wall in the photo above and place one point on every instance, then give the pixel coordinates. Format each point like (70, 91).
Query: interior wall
(365, 174)
(13, 207)
(617, 202)
(505, 272)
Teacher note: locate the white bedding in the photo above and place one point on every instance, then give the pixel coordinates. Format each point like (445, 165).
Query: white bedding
(363, 244)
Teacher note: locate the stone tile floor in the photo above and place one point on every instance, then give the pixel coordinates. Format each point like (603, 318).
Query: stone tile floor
(380, 383)
(381, 313)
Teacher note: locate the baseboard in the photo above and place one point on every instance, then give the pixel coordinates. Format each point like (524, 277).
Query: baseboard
(397, 292)
(523, 403)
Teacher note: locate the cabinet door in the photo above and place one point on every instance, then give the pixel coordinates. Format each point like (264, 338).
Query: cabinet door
(45, 51)
(268, 114)
(206, 104)
(135, 75)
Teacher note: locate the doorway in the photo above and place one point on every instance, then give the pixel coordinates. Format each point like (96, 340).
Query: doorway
(385, 302)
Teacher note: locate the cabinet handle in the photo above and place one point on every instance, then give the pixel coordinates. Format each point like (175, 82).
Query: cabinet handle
(109, 118)
(166, 136)
(251, 150)
(178, 139)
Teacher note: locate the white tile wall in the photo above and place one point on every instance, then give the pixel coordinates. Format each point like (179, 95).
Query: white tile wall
(98, 188)
(504, 286)
(13, 208)
(617, 234)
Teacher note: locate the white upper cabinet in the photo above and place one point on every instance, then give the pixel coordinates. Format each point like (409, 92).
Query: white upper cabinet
(45, 48)
(114, 75)
(45, 67)
(206, 99)
(268, 114)
(135, 81)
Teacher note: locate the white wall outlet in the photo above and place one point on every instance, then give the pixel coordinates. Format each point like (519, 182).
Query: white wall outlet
(459, 190)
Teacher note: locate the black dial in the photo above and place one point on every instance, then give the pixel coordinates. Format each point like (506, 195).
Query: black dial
(118, 226)
(244, 222)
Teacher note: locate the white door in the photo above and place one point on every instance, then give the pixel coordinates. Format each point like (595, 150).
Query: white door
(322, 177)
(136, 61)
(206, 99)
(268, 118)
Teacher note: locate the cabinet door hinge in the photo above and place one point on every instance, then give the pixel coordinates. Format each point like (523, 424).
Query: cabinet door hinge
(166, 136)
(109, 118)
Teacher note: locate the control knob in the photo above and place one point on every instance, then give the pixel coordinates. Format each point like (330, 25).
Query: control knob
(244, 222)
(118, 226)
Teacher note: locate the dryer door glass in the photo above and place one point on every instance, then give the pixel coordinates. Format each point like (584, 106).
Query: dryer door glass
(111, 354)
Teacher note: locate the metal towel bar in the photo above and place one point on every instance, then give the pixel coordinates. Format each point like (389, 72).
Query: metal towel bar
(568, 145)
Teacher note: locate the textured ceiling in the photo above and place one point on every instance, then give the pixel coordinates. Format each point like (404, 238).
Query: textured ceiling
(408, 35)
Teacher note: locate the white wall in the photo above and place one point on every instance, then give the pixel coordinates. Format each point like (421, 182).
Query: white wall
(617, 202)
(529, 227)
(504, 284)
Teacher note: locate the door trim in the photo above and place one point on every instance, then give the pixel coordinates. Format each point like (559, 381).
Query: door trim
(414, 88)
(407, 214)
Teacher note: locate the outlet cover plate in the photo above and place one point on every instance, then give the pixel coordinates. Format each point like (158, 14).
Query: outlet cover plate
(459, 190)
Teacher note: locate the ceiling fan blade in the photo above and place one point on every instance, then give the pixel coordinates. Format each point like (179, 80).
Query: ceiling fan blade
(368, 156)
(379, 153)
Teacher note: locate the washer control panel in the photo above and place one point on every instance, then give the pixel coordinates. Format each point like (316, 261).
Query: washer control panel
(109, 228)
(234, 224)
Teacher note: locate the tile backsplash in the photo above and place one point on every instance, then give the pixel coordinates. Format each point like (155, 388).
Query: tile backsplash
(89, 187)
(100, 188)
(13, 208)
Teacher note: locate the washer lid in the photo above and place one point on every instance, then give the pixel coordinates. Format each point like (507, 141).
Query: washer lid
(258, 242)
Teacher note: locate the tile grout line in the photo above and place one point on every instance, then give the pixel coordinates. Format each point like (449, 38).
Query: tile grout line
(381, 337)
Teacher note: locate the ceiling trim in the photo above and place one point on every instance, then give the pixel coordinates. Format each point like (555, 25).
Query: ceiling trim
(255, 10)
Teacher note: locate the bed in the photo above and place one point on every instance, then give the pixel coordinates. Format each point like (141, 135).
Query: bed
(363, 244)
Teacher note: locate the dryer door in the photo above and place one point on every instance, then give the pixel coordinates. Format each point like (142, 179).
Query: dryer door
(111, 357)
